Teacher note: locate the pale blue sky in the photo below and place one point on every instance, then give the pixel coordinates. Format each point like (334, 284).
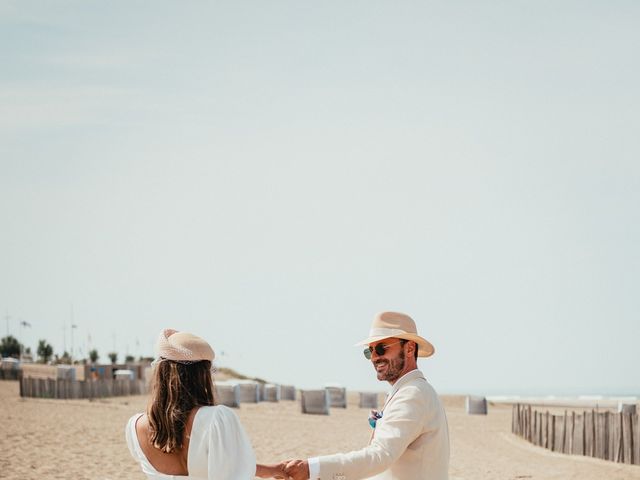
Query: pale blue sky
(269, 175)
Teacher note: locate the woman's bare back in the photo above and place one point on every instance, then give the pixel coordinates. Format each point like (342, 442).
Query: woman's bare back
(174, 463)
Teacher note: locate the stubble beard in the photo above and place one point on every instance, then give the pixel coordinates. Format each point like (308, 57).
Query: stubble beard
(394, 368)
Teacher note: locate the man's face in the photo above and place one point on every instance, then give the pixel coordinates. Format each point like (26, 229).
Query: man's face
(390, 365)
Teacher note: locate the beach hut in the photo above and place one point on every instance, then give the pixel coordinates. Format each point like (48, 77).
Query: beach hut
(66, 372)
(629, 408)
(228, 394)
(476, 405)
(123, 374)
(147, 375)
(9, 368)
(315, 401)
(368, 400)
(261, 392)
(39, 371)
(337, 395)
(249, 391)
(287, 392)
(271, 392)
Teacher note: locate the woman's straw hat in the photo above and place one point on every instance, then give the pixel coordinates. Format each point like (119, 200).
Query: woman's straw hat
(397, 325)
(183, 347)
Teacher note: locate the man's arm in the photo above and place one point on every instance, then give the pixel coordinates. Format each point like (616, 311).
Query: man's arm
(402, 423)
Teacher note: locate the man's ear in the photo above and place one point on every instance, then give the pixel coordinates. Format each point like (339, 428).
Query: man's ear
(412, 347)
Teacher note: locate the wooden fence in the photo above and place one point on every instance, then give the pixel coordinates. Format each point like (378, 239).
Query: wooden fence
(606, 435)
(68, 389)
(9, 374)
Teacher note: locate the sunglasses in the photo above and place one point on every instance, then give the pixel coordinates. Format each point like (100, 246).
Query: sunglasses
(379, 349)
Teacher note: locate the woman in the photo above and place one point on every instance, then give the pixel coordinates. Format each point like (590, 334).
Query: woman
(183, 433)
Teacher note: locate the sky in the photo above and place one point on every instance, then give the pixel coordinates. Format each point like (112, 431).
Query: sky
(270, 175)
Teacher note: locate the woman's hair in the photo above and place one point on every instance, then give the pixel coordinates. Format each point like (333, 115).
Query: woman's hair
(177, 389)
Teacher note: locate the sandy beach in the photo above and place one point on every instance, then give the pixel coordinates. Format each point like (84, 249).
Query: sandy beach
(81, 439)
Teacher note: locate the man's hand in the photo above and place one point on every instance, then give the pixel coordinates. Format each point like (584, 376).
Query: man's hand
(280, 473)
(297, 469)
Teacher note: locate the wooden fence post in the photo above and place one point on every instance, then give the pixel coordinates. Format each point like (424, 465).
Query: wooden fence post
(593, 433)
(564, 433)
(606, 450)
(533, 429)
(573, 430)
(546, 429)
(636, 442)
(620, 444)
(626, 438)
(519, 412)
(540, 431)
(584, 433)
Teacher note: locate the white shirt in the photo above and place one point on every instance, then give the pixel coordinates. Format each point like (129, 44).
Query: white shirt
(218, 447)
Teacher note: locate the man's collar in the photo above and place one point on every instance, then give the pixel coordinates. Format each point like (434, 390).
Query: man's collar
(407, 377)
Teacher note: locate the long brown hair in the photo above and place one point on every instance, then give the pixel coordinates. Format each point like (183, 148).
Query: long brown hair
(177, 389)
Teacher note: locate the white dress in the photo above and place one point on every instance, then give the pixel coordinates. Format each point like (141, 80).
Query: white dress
(218, 448)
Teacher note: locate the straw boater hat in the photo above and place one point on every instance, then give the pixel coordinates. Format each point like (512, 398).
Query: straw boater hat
(397, 325)
(183, 347)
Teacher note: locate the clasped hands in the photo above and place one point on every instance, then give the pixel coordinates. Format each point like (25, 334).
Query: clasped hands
(288, 470)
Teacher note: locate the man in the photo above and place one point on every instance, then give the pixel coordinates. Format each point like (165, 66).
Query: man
(410, 440)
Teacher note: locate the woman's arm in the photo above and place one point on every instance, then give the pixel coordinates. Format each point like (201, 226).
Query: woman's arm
(271, 471)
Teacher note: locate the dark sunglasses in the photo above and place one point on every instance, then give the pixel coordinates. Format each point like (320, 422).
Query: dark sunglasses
(379, 348)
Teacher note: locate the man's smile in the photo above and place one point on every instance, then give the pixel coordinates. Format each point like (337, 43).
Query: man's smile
(382, 364)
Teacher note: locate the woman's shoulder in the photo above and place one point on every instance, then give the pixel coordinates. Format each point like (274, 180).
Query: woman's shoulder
(218, 418)
(131, 436)
(134, 418)
(215, 412)
(131, 423)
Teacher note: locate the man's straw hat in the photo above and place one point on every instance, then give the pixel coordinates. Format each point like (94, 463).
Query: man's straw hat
(183, 347)
(397, 325)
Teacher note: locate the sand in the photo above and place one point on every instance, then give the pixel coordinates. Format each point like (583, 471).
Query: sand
(78, 439)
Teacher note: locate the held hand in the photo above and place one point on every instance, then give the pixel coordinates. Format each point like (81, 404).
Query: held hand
(280, 470)
(272, 471)
(297, 469)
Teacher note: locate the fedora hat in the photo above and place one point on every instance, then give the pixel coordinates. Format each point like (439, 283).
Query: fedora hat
(397, 325)
(183, 347)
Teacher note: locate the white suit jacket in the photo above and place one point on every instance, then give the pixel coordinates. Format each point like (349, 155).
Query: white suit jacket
(410, 441)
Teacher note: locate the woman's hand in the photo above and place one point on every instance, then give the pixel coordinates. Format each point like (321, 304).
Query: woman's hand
(272, 471)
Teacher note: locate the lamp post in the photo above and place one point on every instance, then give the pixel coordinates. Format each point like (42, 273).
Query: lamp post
(22, 324)
(73, 327)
